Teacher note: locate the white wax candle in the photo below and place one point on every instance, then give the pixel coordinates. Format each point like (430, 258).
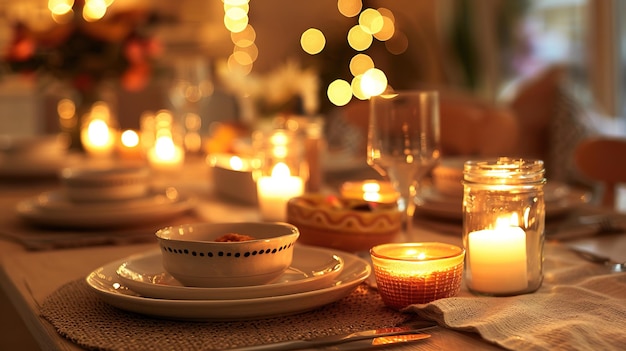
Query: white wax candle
(274, 192)
(497, 260)
(165, 155)
(98, 138)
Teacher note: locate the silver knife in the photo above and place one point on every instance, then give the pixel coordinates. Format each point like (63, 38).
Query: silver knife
(341, 338)
(376, 342)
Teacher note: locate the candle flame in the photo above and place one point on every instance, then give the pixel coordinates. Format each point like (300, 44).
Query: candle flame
(236, 163)
(164, 148)
(280, 170)
(508, 221)
(98, 133)
(129, 138)
(371, 187)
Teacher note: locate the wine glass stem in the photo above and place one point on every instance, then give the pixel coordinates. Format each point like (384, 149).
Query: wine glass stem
(406, 203)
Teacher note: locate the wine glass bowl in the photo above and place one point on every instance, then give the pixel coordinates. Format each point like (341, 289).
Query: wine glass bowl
(403, 141)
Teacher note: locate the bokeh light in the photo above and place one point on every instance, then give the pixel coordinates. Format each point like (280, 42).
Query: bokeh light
(357, 90)
(129, 138)
(398, 44)
(359, 39)
(236, 19)
(339, 92)
(389, 26)
(360, 63)
(371, 21)
(374, 82)
(94, 10)
(312, 41)
(244, 38)
(349, 8)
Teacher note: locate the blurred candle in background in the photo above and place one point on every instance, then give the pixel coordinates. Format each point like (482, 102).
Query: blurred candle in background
(276, 190)
(129, 146)
(166, 152)
(369, 190)
(97, 135)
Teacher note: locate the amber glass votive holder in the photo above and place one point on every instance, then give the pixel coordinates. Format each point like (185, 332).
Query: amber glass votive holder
(414, 273)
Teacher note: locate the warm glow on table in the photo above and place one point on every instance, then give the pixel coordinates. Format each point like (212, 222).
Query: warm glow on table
(166, 154)
(276, 190)
(497, 259)
(417, 272)
(370, 190)
(97, 138)
(129, 146)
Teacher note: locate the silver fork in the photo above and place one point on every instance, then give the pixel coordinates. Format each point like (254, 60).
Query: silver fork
(614, 266)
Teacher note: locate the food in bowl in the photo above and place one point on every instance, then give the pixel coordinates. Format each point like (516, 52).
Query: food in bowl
(233, 237)
(343, 224)
(194, 257)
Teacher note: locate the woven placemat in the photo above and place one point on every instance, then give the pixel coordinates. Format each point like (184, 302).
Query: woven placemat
(81, 316)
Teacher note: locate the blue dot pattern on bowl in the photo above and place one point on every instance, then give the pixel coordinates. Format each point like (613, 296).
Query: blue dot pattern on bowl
(226, 253)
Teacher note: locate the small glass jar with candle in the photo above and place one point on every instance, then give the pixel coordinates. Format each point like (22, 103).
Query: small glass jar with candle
(162, 138)
(98, 133)
(503, 225)
(279, 171)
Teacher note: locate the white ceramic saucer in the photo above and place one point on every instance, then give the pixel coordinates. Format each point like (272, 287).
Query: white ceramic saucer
(311, 268)
(106, 283)
(55, 210)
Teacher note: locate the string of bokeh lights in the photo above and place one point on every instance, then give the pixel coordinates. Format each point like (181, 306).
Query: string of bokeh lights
(371, 24)
(93, 10)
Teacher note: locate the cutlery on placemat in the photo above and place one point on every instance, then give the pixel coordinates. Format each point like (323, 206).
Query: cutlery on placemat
(373, 337)
(376, 342)
(587, 226)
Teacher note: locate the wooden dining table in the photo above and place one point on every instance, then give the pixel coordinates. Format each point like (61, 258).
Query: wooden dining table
(29, 275)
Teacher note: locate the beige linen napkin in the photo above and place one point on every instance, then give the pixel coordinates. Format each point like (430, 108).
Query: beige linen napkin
(580, 306)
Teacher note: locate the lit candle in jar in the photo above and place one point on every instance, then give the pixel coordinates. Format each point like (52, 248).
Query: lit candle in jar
(97, 138)
(412, 273)
(497, 258)
(165, 154)
(369, 190)
(129, 146)
(274, 191)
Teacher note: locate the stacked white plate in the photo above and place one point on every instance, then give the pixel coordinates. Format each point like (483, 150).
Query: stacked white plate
(317, 277)
(55, 209)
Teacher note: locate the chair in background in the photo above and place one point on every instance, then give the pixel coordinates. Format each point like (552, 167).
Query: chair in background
(603, 160)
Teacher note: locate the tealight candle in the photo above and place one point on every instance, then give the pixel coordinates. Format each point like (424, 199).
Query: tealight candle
(413, 273)
(370, 190)
(129, 146)
(165, 154)
(98, 138)
(276, 190)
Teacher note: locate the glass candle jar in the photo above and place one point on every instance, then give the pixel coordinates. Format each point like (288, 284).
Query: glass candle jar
(279, 171)
(503, 225)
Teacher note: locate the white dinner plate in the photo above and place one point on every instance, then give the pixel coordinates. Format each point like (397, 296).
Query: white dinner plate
(559, 199)
(106, 283)
(52, 209)
(310, 269)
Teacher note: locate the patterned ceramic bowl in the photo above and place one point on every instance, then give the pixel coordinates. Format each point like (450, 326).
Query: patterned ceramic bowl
(195, 254)
(105, 183)
(344, 224)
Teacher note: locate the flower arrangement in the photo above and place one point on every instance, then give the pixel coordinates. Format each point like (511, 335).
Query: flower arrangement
(86, 53)
(287, 90)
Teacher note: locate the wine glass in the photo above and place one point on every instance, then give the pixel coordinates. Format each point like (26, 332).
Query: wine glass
(403, 142)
